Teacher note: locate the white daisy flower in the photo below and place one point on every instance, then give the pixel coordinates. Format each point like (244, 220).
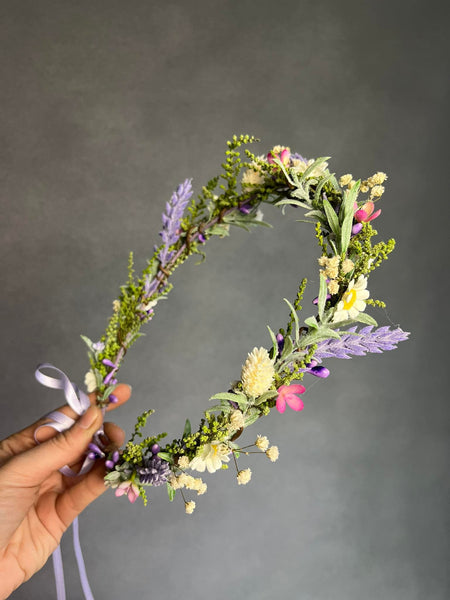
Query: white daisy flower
(353, 301)
(211, 457)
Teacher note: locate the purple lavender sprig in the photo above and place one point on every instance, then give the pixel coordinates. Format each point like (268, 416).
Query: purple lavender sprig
(171, 219)
(359, 343)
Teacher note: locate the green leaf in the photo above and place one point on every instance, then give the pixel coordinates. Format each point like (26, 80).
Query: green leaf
(332, 217)
(187, 428)
(295, 317)
(89, 343)
(251, 417)
(322, 182)
(322, 295)
(315, 164)
(165, 456)
(321, 334)
(346, 232)
(274, 342)
(220, 230)
(266, 396)
(228, 396)
(366, 319)
(287, 348)
(291, 202)
(312, 322)
(171, 492)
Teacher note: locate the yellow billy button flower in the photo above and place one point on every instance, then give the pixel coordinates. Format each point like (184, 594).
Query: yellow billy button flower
(257, 373)
(353, 301)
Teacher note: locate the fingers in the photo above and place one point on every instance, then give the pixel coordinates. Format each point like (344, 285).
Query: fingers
(32, 467)
(24, 440)
(76, 498)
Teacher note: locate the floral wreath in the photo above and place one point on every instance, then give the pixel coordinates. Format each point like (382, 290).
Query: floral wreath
(342, 212)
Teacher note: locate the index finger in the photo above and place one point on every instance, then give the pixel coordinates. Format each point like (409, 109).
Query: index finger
(24, 439)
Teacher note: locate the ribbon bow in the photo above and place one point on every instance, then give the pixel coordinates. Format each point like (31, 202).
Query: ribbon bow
(79, 402)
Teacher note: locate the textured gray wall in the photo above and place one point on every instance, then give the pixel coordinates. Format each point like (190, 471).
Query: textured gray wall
(105, 106)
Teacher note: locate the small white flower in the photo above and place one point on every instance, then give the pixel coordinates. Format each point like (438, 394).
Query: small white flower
(244, 476)
(183, 462)
(253, 176)
(299, 166)
(236, 420)
(262, 442)
(353, 300)
(273, 453)
(116, 305)
(211, 457)
(190, 507)
(90, 381)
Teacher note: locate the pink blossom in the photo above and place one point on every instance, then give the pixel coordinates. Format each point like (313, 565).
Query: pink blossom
(130, 489)
(364, 214)
(287, 393)
(284, 156)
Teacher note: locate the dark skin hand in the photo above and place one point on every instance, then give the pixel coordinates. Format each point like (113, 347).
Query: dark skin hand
(37, 502)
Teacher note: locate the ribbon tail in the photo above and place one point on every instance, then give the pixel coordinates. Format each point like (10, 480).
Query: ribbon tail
(59, 574)
(80, 561)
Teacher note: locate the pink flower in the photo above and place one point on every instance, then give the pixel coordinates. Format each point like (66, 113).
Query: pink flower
(130, 489)
(364, 214)
(284, 156)
(287, 393)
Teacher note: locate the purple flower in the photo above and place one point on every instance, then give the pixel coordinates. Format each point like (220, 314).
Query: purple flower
(171, 219)
(155, 471)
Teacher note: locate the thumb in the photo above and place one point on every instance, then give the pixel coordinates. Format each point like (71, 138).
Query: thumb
(67, 447)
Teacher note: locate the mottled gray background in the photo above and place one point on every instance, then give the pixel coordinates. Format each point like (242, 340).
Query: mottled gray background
(105, 106)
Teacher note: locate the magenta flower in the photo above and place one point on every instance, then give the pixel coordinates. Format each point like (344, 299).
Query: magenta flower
(130, 489)
(284, 156)
(287, 393)
(364, 214)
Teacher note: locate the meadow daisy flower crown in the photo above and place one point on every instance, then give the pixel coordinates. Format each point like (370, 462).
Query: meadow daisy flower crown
(342, 212)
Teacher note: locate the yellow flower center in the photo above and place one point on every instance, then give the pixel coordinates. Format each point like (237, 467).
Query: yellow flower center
(349, 299)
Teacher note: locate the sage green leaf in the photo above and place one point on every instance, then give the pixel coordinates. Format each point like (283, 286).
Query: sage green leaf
(229, 396)
(171, 492)
(287, 347)
(321, 334)
(274, 342)
(332, 217)
(251, 417)
(315, 164)
(295, 317)
(187, 428)
(165, 456)
(290, 202)
(322, 182)
(89, 343)
(266, 396)
(312, 322)
(322, 295)
(219, 229)
(366, 319)
(346, 232)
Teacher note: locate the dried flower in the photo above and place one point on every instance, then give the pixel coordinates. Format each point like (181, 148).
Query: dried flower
(244, 476)
(236, 420)
(333, 286)
(273, 453)
(257, 373)
(262, 442)
(253, 176)
(183, 462)
(116, 305)
(90, 381)
(190, 507)
(345, 179)
(347, 266)
(155, 471)
(377, 191)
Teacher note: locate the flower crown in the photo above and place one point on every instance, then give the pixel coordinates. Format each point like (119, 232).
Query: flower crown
(342, 212)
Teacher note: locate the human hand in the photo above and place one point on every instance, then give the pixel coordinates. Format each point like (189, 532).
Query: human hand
(37, 502)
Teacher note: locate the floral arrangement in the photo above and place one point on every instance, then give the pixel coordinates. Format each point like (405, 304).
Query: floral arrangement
(342, 211)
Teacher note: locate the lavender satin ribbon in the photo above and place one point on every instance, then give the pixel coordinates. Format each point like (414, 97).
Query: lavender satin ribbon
(79, 402)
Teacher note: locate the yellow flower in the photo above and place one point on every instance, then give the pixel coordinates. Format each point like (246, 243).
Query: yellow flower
(353, 301)
(210, 457)
(257, 373)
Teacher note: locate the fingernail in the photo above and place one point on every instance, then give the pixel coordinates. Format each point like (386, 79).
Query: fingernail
(88, 418)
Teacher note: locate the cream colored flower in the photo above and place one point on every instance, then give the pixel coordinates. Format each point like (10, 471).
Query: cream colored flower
(211, 457)
(353, 301)
(347, 266)
(364, 187)
(257, 373)
(173, 482)
(244, 476)
(333, 287)
(190, 507)
(236, 420)
(262, 442)
(90, 381)
(273, 453)
(377, 191)
(253, 177)
(183, 462)
(377, 179)
(202, 489)
(299, 166)
(116, 305)
(345, 179)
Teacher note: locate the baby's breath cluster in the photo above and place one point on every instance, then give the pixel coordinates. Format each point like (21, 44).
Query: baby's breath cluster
(342, 212)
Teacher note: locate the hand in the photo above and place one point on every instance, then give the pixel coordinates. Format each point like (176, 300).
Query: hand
(37, 502)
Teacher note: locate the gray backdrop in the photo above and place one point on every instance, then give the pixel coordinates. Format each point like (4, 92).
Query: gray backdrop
(105, 107)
